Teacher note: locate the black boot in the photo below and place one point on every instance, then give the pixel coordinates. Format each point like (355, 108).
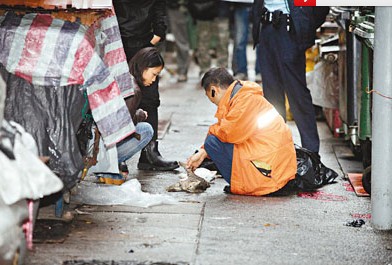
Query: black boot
(151, 159)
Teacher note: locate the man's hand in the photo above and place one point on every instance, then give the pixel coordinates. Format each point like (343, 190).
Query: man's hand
(155, 40)
(196, 159)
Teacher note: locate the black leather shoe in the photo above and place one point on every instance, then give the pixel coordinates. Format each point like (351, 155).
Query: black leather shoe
(151, 159)
(227, 189)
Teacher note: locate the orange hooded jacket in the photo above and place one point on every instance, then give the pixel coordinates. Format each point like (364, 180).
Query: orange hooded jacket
(264, 157)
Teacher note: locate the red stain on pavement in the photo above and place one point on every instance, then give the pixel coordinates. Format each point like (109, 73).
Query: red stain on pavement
(348, 186)
(321, 196)
(362, 215)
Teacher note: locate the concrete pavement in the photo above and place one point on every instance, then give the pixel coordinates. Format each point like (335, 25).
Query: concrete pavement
(217, 228)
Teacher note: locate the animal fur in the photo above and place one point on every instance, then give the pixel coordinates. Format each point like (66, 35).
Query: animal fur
(191, 183)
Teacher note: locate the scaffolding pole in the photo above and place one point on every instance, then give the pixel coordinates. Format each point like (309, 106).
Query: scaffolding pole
(381, 199)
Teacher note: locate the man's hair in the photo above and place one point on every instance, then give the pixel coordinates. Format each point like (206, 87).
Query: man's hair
(145, 58)
(218, 77)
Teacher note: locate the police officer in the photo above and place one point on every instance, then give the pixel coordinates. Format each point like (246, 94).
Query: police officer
(284, 32)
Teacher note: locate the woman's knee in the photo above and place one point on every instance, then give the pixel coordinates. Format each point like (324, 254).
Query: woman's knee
(145, 130)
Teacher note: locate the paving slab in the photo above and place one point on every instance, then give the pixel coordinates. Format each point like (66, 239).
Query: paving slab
(218, 228)
(156, 234)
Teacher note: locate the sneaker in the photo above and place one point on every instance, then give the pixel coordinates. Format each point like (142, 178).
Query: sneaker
(182, 78)
(240, 76)
(258, 78)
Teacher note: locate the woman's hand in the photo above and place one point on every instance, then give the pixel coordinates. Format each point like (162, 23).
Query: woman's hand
(141, 115)
(145, 114)
(196, 159)
(155, 40)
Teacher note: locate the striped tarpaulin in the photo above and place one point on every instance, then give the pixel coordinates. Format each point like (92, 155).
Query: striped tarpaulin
(52, 52)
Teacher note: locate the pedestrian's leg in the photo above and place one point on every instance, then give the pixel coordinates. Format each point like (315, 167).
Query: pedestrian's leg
(150, 102)
(241, 31)
(270, 61)
(222, 32)
(203, 44)
(222, 155)
(221, 26)
(298, 94)
(301, 106)
(257, 64)
(179, 27)
(150, 157)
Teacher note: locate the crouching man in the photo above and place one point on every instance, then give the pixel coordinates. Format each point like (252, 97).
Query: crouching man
(250, 144)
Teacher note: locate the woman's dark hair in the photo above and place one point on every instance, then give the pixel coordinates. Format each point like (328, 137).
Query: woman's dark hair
(218, 77)
(145, 58)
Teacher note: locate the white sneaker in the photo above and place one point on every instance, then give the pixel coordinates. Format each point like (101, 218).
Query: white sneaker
(182, 78)
(258, 78)
(240, 76)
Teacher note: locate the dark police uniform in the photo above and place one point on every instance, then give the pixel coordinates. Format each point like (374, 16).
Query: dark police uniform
(283, 39)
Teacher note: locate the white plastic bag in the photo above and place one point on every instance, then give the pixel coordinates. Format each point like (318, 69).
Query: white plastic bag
(323, 83)
(129, 193)
(107, 160)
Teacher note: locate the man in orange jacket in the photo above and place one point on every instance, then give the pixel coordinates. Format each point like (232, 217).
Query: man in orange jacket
(250, 144)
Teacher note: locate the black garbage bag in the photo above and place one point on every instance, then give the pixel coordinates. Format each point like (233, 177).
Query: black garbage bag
(84, 134)
(311, 172)
(52, 116)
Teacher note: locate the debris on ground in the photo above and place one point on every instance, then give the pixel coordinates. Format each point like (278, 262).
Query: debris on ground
(191, 182)
(355, 223)
(322, 196)
(128, 193)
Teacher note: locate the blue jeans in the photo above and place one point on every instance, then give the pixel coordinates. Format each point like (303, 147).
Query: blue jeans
(130, 146)
(241, 32)
(222, 155)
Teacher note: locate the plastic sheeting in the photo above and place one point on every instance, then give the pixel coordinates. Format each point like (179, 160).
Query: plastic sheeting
(11, 233)
(323, 83)
(128, 193)
(52, 116)
(51, 4)
(23, 175)
(107, 160)
(12, 216)
(2, 99)
(52, 52)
